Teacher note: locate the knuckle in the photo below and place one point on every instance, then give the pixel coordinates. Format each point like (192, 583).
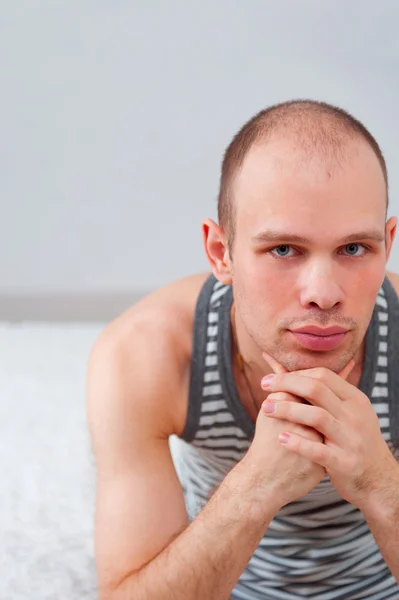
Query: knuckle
(319, 453)
(321, 418)
(314, 388)
(333, 424)
(317, 418)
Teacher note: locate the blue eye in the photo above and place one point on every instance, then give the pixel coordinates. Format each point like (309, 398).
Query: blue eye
(285, 249)
(352, 249)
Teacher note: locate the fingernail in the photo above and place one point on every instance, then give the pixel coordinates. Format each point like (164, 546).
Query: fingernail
(266, 382)
(269, 407)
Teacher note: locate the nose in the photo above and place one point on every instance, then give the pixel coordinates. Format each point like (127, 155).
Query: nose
(320, 287)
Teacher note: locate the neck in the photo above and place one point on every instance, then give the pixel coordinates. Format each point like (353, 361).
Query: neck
(248, 369)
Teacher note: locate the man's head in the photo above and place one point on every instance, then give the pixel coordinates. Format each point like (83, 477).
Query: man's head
(309, 170)
(318, 129)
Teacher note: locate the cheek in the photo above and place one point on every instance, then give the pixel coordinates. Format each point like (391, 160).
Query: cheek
(263, 293)
(267, 283)
(361, 291)
(365, 285)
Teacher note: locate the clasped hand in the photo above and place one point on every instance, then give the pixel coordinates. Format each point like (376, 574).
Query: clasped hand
(354, 453)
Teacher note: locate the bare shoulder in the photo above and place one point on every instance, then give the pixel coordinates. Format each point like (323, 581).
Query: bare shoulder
(152, 339)
(168, 311)
(394, 279)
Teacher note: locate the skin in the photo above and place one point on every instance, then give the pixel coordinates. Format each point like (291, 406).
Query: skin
(139, 377)
(323, 282)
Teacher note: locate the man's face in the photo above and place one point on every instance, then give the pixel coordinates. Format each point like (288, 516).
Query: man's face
(281, 285)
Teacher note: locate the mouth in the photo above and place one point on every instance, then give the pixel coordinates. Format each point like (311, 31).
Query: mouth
(328, 340)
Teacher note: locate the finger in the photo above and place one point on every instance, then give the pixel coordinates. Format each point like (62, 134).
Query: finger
(273, 364)
(347, 369)
(330, 378)
(308, 416)
(325, 393)
(314, 451)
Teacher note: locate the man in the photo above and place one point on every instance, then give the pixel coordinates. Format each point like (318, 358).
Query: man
(299, 292)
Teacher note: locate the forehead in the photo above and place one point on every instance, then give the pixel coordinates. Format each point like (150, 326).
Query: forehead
(281, 180)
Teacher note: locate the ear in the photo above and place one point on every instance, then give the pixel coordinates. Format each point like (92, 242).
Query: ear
(216, 248)
(390, 231)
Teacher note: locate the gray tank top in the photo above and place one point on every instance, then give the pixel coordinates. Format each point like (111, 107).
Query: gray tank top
(319, 545)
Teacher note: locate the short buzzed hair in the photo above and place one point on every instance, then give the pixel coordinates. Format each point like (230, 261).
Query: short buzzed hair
(318, 127)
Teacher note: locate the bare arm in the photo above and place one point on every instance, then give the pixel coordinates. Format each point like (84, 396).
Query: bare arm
(207, 559)
(139, 501)
(382, 516)
(145, 547)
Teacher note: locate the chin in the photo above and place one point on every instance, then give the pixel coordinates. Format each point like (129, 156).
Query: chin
(296, 361)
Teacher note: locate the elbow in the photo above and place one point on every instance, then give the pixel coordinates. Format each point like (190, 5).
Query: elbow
(124, 589)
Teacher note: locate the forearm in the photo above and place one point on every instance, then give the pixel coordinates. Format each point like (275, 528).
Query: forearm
(207, 558)
(382, 517)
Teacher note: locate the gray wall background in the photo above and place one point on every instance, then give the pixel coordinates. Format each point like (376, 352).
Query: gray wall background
(114, 117)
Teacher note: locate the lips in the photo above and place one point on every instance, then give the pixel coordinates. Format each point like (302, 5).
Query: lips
(314, 330)
(319, 339)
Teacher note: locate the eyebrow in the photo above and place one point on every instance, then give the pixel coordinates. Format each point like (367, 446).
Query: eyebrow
(269, 235)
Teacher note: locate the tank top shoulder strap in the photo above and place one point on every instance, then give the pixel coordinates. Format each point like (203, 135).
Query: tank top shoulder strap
(206, 316)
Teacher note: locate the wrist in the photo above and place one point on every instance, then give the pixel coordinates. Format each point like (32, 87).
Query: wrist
(380, 513)
(382, 502)
(257, 497)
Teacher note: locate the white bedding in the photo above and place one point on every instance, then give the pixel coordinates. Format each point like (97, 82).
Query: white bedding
(46, 467)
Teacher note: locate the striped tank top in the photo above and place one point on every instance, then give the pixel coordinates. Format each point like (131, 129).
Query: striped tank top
(319, 545)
